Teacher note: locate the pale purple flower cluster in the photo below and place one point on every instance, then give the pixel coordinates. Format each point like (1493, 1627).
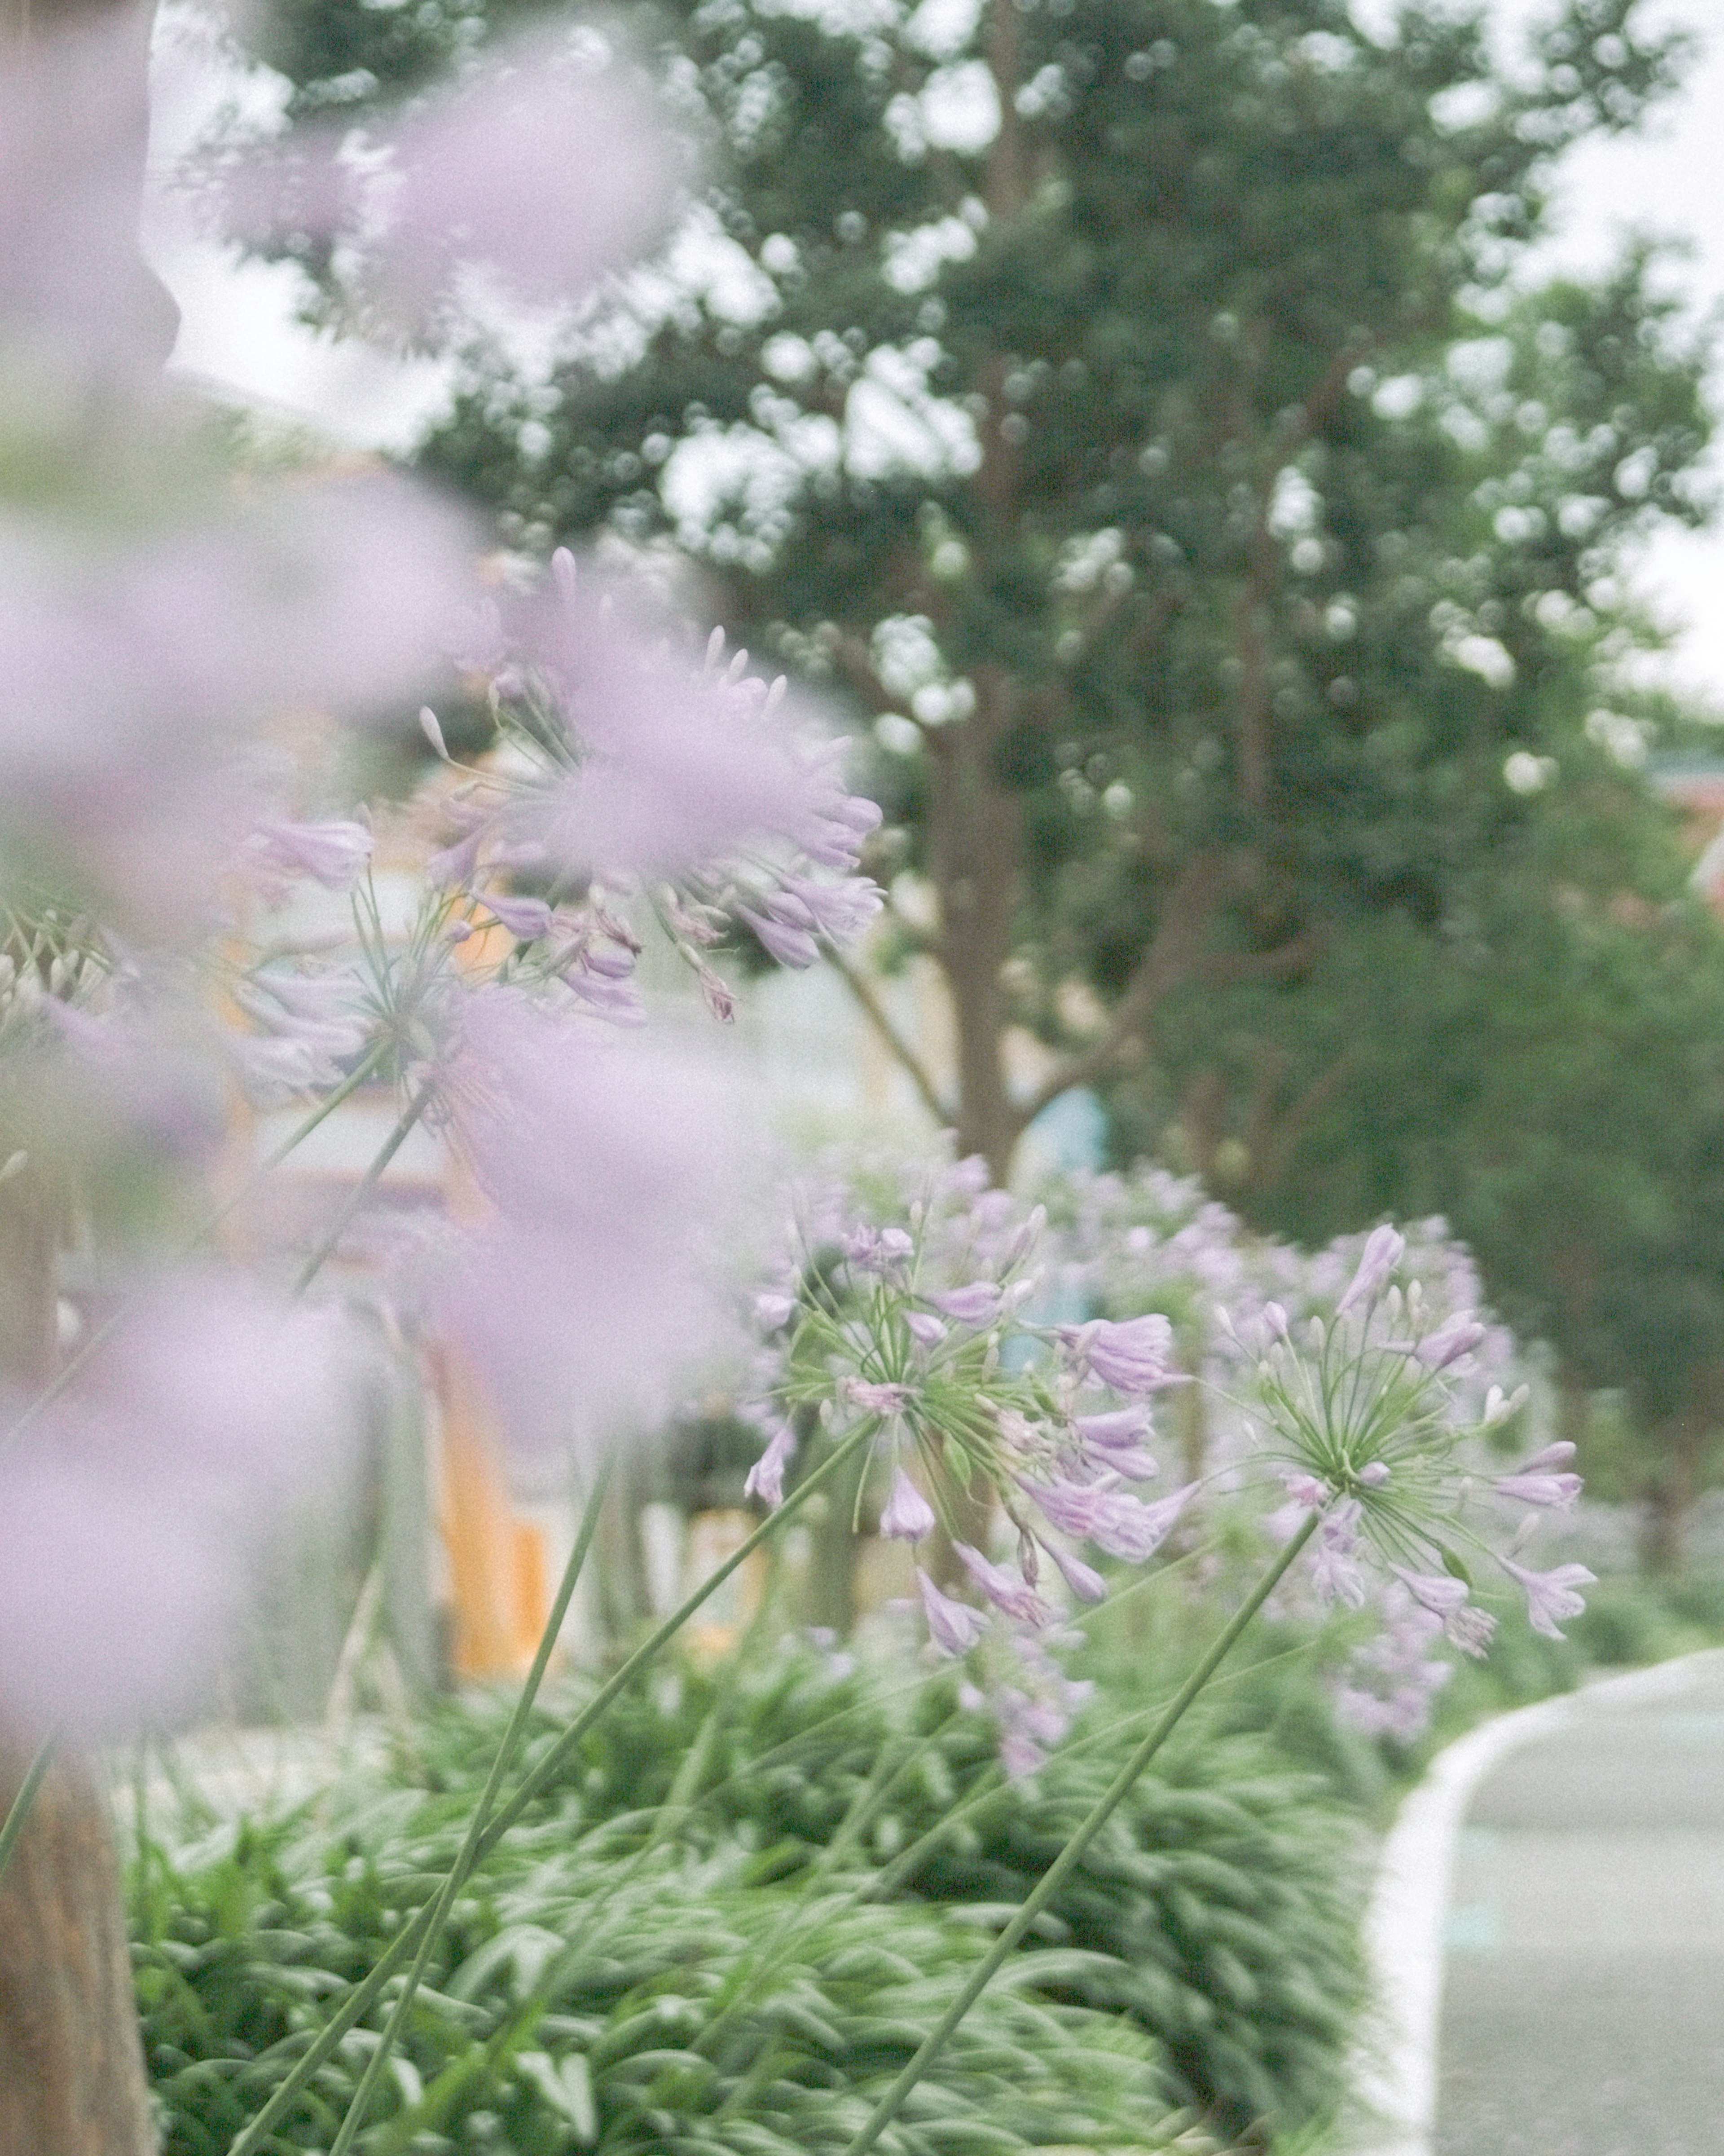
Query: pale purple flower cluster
(1389, 1682)
(191, 897)
(621, 768)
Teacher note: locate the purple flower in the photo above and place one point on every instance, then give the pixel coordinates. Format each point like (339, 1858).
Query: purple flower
(1121, 1525)
(954, 1627)
(526, 919)
(1086, 1584)
(1132, 1356)
(1439, 1592)
(1453, 1337)
(547, 171)
(1559, 1490)
(1383, 1251)
(839, 911)
(1015, 1597)
(1470, 1630)
(977, 1305)
(1551, 1595)
(765, 1481)
(1553, 1456)
(614, 1176)
(772, 1310)
(1120, 1426)
(334, 854)
(794, 947)
(875, 1399)
(1336, 1578)
(74, 125)
(133, 1511)
(1305, 1490)
(924, 1328)
(907, 1516)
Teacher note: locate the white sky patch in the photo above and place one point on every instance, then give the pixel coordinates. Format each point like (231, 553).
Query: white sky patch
(914, 259)
(704, 262)
(1294, 508)
(842, 18)
(943, 29)
(1618, 736)
(960, 107)
(893, 424)
(1486, 657)
(1523, 773)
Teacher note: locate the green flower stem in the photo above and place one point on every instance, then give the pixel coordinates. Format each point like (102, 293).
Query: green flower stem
(407, 1938)
(199, 1235)
(462, 1865)
(21, 1803)
(551, 1764)
(1071, 1856)
(366, 1184)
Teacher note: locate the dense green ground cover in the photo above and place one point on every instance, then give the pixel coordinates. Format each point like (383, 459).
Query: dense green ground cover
(724, 1926)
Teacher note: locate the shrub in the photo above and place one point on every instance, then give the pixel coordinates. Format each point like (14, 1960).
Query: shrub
(594, 1994)
(1219, 1911)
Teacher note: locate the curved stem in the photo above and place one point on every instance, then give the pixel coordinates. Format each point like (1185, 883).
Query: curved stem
(892, 2103)
(462, 1865)
(366, 1184)
(20, 1807)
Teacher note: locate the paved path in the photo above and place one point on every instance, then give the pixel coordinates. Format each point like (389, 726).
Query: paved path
(1583, 1998)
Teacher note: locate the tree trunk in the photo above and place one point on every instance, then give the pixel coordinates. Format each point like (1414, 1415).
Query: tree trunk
(72, 2079)
(976, 837)
(1670, 1491)
(71, 2061)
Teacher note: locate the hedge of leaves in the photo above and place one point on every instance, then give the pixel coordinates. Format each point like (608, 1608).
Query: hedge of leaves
(1219, 1911)
(598, 1990)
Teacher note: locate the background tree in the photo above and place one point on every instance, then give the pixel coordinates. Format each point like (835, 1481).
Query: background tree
(1136, 405)
(1126, 403)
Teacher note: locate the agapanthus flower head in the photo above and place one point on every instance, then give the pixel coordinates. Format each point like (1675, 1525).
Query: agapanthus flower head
(547, 167)
(606, 1168)
(1371, 1432)
(134, 1511)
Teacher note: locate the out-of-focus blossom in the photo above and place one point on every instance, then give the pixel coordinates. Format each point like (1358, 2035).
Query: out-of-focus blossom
(277, 851)
(765, 1480)
(132, 1510)
(74, 291)
(611, 1175)
(545, 167)
(1384, 1248)
(955, 1627)
(156, 653)
(906, 1515)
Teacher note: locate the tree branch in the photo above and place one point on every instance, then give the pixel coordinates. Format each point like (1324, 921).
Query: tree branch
(862, 988)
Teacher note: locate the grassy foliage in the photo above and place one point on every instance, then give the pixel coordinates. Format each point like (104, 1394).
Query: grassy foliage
(597, 1991)
(1218, 1911)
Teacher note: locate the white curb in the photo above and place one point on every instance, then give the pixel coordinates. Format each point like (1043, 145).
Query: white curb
(1394, 2077)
